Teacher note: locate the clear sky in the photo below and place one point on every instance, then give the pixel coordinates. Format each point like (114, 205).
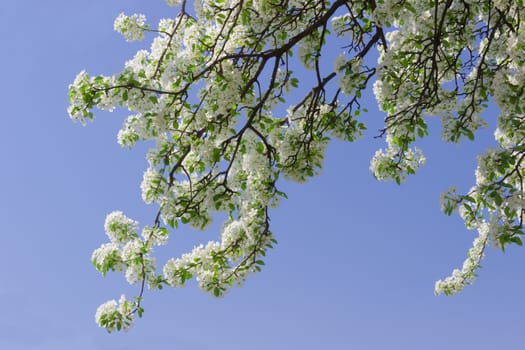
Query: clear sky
(356, 261)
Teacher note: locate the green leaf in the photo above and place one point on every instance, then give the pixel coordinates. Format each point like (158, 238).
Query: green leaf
(469, 198)
(516, 240)
(260, 148)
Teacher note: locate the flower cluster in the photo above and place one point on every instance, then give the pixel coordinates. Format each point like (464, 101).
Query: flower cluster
(395, 162)
(131, 27)
(113, 316)
(467, 274)
(126, 251)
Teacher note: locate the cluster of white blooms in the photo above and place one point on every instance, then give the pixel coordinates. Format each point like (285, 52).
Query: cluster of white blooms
(486, 163)
(453, 128)
(467, 274)
(133, 255)
(126, 251)
(394, 163)
(301, 154)
(107, 257)
(155, 235)
(309, 49)
(177, 271)
(87, 92)
(120, 228)
(152, 186)
(351, 76)
(131, 27)
(113, 316)
(206, 93)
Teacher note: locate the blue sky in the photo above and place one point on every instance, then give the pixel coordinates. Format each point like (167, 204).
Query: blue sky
(356, 261)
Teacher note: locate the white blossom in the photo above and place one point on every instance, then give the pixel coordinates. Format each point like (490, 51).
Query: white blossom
(120, 228)
(107, 257)
(113, 316)
(131, 27)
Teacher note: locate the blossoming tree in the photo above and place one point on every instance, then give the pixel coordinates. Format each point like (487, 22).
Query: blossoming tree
(207, 93)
